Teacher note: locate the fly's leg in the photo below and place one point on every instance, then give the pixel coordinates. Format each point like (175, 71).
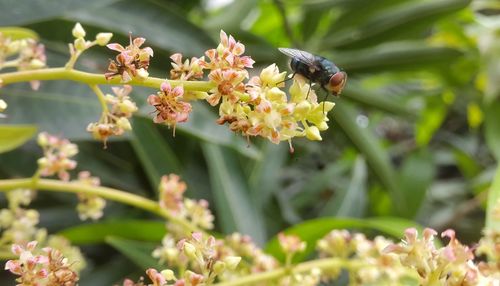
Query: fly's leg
(287, 79)
(309, 90)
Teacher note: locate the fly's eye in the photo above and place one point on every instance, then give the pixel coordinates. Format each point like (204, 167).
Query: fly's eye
(337, 82)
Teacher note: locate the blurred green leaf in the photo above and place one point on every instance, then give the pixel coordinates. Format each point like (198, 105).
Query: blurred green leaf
(14, 12)
(313, 230)
(396, 21)
(138, 252)
(430, 120)
(377, 100)
(492, 221)
(155, 153)
(109, 273)
(16, 33)
(234, 208)
(394, 56)
(350, 202)
(169, 30)
(69, 112)
(375, 155)
(415, 177)
(492, 128)
(12, 136)
(95, 233)
(264, 178)
(229, 16)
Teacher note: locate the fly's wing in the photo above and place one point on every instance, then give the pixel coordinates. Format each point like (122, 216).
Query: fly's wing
(302, 56)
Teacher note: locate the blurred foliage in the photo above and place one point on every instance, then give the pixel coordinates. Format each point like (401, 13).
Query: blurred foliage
(415, 135)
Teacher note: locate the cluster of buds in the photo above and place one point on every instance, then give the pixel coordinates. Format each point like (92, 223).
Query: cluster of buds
(89, 206)
(80, 44)
(374, 267)
(171, 197)
(48, 267)
(56, 156)
(114, 121)
(131, 62)
(23, 54)
(452, 264)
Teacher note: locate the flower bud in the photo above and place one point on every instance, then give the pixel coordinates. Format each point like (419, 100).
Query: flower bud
(219, 267)
(124, 123)
(37, 64)
(232, 262)
(80, 44)
(102, 39)
(302, 108)
(3, 105)
(322, 126)
(312, 133)
(78, 31)
(168, 274)
(190, 250)
(142, 74)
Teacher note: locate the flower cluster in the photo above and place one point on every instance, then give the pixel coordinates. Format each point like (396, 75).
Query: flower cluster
(56, 156)
(49, 267)
(170, 106)
(131, 62)
(89, 206)
(253, 107)
(452, 264)
(114, 121)
(375, 267)
(23, 54)
(171, 198)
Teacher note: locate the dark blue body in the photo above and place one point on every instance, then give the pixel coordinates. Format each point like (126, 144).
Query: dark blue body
(320, 73)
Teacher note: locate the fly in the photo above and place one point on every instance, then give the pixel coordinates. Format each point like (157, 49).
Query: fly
(316, 69)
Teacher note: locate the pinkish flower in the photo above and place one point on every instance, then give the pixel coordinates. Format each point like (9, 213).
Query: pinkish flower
(229, 84)
(57, 154)
(170, 109)
(131, 62)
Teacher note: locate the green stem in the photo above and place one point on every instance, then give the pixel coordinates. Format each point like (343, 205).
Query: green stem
(101, 97)
(326, 263)
(107, 193)
(94, 79)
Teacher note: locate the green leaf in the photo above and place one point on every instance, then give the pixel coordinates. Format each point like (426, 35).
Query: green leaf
(416, 176)
(350, 202)
(14, 12)
(155, 153)
(264, 178)
(492, 128)
(396, 56)
(95, 233)
(396, 21)
(375, 155)
(229, 16)
(492, 221)
(138, 252)
(13, 136)
(17, 33)
(430, 120)
(376, 100)
(313, 230)
(52, 109)
(234, 208)
(169, 30)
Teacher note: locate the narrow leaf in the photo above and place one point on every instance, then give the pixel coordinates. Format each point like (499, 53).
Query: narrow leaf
(138, 252)
(155, 153)
(235, 209)
(95, 233)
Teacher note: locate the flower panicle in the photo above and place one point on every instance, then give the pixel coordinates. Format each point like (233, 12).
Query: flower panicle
(57, 154)
(114, 121)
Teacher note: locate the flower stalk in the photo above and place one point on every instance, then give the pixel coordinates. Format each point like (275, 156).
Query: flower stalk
(96, 79)
(105, 192)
